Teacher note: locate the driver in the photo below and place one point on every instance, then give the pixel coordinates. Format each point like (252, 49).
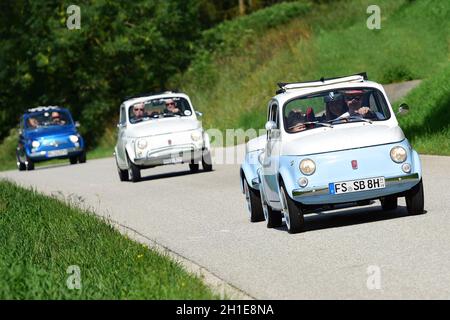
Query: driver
(33, 123)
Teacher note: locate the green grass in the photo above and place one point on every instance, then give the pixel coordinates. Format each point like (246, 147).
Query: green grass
(328, 40)
(427, 125)
(40, 237)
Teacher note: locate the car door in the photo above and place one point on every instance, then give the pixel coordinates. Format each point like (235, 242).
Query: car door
(121, 136)
(271, 157)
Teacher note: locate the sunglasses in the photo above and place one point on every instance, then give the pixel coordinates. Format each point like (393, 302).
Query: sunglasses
(170, 104)
(139, 109)
(353, 98)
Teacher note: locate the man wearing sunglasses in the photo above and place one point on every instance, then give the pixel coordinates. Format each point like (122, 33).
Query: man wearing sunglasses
(353, 99)
(138, 111)
(171, 107)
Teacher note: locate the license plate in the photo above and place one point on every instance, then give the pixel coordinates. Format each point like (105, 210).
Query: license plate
(173, 160)
(357, 185)
(57, 153)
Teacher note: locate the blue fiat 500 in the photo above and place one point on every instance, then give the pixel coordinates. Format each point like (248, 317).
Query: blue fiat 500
(48, 133)
(329, 142)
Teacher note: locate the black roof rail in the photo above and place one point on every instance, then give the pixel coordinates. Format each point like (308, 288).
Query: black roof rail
(281, 85)
(146, 94)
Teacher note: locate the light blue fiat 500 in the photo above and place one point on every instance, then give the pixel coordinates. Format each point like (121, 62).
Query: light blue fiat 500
(329, 142)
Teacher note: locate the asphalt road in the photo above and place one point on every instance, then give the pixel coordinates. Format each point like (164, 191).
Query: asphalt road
(203, 217)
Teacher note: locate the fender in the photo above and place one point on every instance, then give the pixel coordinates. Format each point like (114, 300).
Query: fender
(249, 170)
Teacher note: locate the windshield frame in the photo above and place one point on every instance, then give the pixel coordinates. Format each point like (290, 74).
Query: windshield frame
(380, 94)
(128, 109)
(26, 126)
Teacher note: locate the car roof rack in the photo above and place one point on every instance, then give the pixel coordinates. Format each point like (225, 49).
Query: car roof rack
(147, 94)
(43, 108)
(284, 86)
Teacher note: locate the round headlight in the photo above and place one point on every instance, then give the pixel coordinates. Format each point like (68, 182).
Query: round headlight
(195, 136)
(142, 144)
(73, 139)
(35, 144)
(307, 167)
(398, 154)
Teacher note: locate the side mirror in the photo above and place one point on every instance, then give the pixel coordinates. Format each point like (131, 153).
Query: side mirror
(77, 124)
(270, 125)
(20, 132)
(199, 114)
(403, 109)
(120, 125)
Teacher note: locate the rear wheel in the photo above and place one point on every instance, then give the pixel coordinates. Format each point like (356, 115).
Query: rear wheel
(415, 200)
(291, 212)
(273, 218)
(193, 167)
(123, 174)
(21, 166)
(254, 207)
(389, 203)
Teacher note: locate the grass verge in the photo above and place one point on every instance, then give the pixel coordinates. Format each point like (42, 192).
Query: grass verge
(40, 238)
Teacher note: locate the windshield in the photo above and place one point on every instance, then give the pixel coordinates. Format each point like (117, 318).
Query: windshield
(335, 107)
(47, 119)
(159, 108)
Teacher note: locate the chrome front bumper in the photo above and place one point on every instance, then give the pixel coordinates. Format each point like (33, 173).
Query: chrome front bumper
(170, 155)
(393, 185)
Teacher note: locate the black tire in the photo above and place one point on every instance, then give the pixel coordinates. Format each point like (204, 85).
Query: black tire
(29, 165)
(194, 167)
(293, 215)
(415, 200)
(82, 157)
(273, 218)
(21, 166)
(254, 208)
(73, 160)
(134, 172)
(123, 174)
(389, 203)
(207, 161)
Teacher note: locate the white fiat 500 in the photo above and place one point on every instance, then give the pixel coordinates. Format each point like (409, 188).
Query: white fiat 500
(159, 129)
(329, 142)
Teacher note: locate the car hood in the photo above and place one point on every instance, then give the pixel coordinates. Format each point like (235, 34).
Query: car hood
(50, 131)
(162, 126)
(341, 137)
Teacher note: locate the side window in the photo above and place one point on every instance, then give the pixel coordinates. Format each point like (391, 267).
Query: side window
(274, 114)
(122, 119)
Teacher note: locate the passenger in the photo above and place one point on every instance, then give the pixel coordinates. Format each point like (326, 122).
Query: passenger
(171, 107)
(296, 121)
(56, 119)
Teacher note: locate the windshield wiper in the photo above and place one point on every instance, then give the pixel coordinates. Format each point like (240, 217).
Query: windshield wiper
(350, 118)
(321, 123)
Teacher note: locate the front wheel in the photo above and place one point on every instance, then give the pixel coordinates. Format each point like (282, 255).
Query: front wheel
(134, 172)
(123, 174)
(415, 200)
(82, 157)
(73, 160)
(254, 208)
(273, 218)
(292, 213)
(207, 161)
(29, 164)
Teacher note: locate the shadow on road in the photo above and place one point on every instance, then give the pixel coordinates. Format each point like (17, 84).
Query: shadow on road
(170, 175)
(349, 217)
